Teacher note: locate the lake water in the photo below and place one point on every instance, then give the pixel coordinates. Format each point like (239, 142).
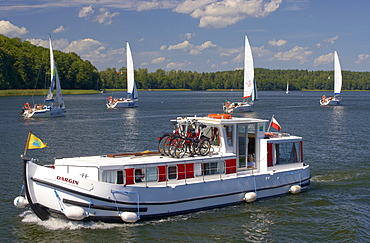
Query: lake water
(336, 208)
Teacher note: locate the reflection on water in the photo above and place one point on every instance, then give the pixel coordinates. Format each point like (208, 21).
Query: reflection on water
(337, 116)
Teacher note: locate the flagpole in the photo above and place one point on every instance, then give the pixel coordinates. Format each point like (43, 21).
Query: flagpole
(268, 129)
(28, 140)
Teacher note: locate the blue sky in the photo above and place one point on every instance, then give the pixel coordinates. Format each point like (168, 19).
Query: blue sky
(198, 35)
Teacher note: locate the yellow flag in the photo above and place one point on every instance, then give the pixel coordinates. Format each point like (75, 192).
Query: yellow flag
(35, 143)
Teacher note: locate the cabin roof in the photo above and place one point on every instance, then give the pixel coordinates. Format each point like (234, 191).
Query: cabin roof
(106, 161)
(232, 120)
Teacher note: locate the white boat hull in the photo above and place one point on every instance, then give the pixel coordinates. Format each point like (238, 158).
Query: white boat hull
(213, 171)
(123, 104)
(44, 113)
(50, 192)
(245, 107)
(332, 102)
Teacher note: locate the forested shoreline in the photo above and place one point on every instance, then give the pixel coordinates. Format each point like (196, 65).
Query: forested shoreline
(26, 66)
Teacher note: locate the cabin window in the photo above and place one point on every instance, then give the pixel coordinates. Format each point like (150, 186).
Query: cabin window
(229, 135)
(151, 174)
(113, 176)
(139, 175)
(211, 168)
(287, 153)
(172, 172)
(213, 134)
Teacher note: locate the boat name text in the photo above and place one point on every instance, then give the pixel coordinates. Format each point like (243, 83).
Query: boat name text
(74, 182)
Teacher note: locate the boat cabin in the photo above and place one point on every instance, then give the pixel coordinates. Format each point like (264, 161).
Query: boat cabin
(234, 143)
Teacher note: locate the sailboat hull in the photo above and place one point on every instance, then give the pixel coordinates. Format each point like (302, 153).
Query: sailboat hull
(44, 113)
(123, 104)
(244, 107)
(332, 102)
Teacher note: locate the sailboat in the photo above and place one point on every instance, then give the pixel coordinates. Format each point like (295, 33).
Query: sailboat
(53, 106)
(250, 87)
(287, 88)
(335, 100)
(132, 97)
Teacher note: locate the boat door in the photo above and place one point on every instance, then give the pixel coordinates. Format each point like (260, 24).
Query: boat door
(245, 144)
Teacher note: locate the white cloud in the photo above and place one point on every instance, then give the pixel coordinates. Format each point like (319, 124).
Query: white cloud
(85, 12)
(10, 30)
(363, 58)
(188, 6)
(60, 29)
(324, 59)
(330, 41)
(219, 14)
(163, 47)
(277, 43)
(58, 44)
(197, 50)
(187, 36)
(194, 50)
(296, 53)
(83, 45)
(181, 46)
(158, 60)
(119, 51)
(148, 5)
(177, 65)
(206, 45)
(105, 17)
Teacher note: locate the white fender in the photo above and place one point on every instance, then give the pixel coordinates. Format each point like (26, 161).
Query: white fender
(295, 189)
(129, 217)
(250, 197)
(20, 202)
(74, 213)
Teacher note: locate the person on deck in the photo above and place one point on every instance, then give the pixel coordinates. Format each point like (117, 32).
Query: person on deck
(251, 163)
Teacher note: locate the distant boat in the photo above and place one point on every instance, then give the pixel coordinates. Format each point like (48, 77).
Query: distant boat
(335, 100)
(132, 97)
(250, 87)
(287, 88)
(52, 106)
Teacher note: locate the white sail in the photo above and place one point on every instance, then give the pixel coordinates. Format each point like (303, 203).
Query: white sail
(337, 74)
(131, 86)
(287, 88)
(54, 80)
(248, 70)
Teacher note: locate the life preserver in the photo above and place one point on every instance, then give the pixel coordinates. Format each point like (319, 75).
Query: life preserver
(27, 106)
(220, 116)
(110, 98)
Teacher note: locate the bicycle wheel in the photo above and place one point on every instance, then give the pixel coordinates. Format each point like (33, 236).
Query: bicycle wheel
(161, 144)
(204, 147)
(167, 144)
(180, 148)
(172, 146)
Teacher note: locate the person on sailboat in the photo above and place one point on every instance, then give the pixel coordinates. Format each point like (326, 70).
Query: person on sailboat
(324, 99)
(227, 103)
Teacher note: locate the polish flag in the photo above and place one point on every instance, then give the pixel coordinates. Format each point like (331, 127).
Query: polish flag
(275, 124)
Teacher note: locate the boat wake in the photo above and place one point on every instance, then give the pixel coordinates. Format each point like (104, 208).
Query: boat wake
(60, 224)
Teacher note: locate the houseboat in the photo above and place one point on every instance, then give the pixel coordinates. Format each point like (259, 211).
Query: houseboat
(239, 162)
